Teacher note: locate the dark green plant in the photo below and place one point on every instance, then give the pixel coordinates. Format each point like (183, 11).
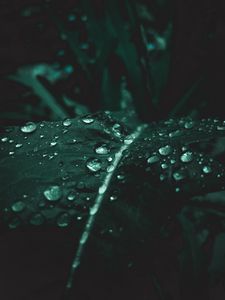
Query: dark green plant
(124, 186)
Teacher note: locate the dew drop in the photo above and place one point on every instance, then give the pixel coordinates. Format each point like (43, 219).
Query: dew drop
(18, 145)
(63, 220)
(52, 144)
(67, 122)
(175, 133)
(18, 206)
(166, 150)
(117, 130)
(187, 157)
(93, 164)
(189, 124)
(29, 127)
(87, 120)
(37, 219)
(153, 159)
(71, 196)
(102, 149)
(53, 193)
(220, 127)
(4, 139)
(178, 176)
(207, 169)
(112, 198)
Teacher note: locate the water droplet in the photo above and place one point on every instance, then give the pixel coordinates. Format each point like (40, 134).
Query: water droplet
(177, 190)
(128, 140)
(120, 176)
(67, 122)
(178, 176)
(93, 164)
(188, 124)
(37, 219)
(11, 152)
(112, 198)
(187, 157)
(71, 17)
(102, 149)
(18, 145)
(29, 127)
(53, 144)
(164, 166)
(18, 206)
(207, 169)
(153, 159)
(4, 139)
(63, 220)
(166, 150)
(117, 130)
(220, 127)
(14, 223)
(71, 196)
(175, 133)
(53, 193)
(87, 120)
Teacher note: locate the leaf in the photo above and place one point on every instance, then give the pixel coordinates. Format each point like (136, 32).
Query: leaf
(103, 170)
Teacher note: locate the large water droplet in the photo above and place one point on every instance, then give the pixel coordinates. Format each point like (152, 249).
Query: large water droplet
(37, 219)
(102, 149)
(93, 164)
(67, 122)
(63, 220)
(187, 157)
(166, 150)
(87, 120)
(29, 127)
(153, 159)
(53, 193)
(18, 206)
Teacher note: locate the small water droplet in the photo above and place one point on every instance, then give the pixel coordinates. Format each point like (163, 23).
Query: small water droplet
(18, 145)
(164, 166)
(189, 124)
(187, 157)
(63, 220)
(117, 130)
(52, 144)
(207, 169)
(37, 219)
(87, 120)
(112, 198)
(71, 196)
(166, 150)
(102, 149)
(220, 127)
(175, 133)
(67, 122)
(29, 127)
(94, 164)
(120, 176)
(178, 176)
(4, 139)
(53, 193)
(18, 206)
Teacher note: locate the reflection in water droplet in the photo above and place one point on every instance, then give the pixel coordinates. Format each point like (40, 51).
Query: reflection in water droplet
(53, 193)
(87, 120)
(102, 149)
(37, 219)
(63, 220)
(18, 206)
(166, 150)
(29, 127)
(187, 157)
(67, 122)
(93, 164)
(153, 159)
(207, 169)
